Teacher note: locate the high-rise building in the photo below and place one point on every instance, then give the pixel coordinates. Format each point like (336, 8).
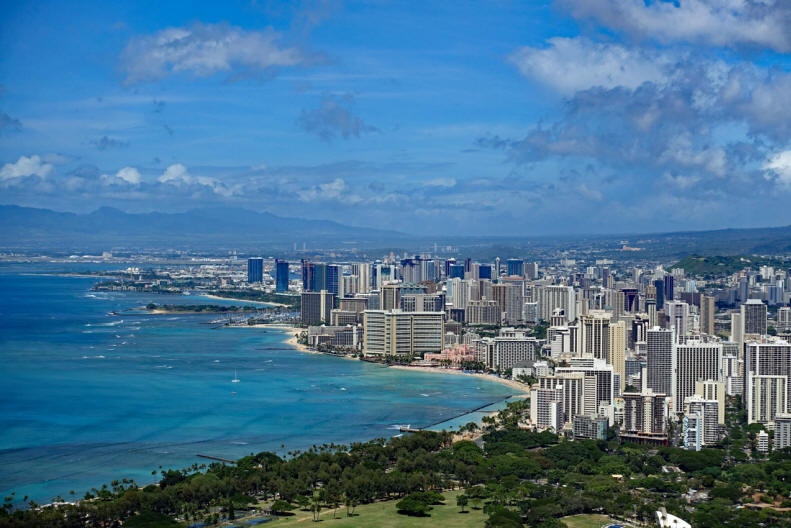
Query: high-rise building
(509, 296)
(707, 310)
(531, 270)
(678, 317)
(594, 334)
(659, 360)
(606, 380)
(510, 351)
(713, 390)
(333, 276)
(669, 288)
(782, 431)
(255, 270)
(784, 319)
(485, 271)
(754, 317)
(767, 370)
(317, 307)
(409, 334)
(515, 267)
(617, 353)
(483, 312)
(737, 329)
(700, 427)
(551, 297)
(281, 275)
(694, 361)
(660, 293)
(578, 393)
(644, 412)
(391, 297)
(767, 396)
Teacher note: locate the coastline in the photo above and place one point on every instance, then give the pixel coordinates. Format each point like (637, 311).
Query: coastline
(290, 339)
(211, 296)
(289, 335)
(521, 387)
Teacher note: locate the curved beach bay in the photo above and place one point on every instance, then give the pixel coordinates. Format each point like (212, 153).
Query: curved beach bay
(87, 397)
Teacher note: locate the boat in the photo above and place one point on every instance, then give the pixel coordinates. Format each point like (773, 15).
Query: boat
(235, 377)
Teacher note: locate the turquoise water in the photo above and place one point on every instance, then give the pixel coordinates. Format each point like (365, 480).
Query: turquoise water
(87, 398)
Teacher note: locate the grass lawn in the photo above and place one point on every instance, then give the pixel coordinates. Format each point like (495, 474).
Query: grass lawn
(586, 521)
(384, 515)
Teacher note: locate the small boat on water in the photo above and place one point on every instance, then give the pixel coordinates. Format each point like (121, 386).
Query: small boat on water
(235, 377)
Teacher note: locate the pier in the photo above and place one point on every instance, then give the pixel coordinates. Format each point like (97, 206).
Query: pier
(408, 429)
(217, 459)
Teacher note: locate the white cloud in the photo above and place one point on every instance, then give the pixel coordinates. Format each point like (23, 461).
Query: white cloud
(573, 64)
(127, 175)
(778, 168)
(175, 174)
(324, 191)
(203, 50)
(178, 175)
(440, 182)
(761, 23)
(24, 167)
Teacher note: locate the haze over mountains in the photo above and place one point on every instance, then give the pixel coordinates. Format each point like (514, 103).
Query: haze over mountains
(25, 228)
(207, 228)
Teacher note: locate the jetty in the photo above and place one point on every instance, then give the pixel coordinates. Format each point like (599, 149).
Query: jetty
(217, 459)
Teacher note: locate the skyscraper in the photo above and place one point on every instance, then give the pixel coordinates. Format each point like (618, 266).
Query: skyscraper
(660, 293)
(707, 311)
(659, 360)
(694, 361)
(281, 275)
(255, 270)
(754, 317)
(669, 288)
(515, 267)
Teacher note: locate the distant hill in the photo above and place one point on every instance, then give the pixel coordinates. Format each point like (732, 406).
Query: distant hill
(697, 265)
(26, 228)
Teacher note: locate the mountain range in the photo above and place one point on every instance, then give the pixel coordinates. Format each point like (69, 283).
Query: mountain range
(26, 228)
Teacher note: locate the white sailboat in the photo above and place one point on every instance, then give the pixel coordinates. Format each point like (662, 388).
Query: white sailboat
(235, 377)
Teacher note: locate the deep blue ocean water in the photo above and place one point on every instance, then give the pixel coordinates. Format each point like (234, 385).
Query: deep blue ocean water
(86, 397)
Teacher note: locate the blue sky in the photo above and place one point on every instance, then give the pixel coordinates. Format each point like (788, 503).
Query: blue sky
(518, 118)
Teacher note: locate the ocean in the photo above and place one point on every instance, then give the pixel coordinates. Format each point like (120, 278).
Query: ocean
(87, 397)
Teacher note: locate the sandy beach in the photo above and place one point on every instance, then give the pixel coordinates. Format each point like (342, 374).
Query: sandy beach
(521, 387)
(210, 296)
(289, 335)
(291, 339)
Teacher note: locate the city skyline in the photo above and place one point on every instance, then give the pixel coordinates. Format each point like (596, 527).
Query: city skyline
(519, 118)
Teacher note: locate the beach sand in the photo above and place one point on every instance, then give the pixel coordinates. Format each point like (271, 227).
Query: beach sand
(291, 339)
(210, 296)
(521, 387)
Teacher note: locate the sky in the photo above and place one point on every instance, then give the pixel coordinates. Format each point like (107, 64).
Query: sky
(509, 118)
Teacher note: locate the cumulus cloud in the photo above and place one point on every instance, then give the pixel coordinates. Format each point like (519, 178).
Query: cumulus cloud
(127, 175)
(25, 167)
(572, 64)
(204, 50)
(686, 121)
(778, 168)
(107, 142)
(334, 117)
(731, 23)
(178, 175)
(332, 190)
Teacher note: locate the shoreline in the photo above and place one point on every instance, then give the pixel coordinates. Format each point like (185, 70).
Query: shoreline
(290, 339)
(289, 335)
(211, 296)
(521, 387)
